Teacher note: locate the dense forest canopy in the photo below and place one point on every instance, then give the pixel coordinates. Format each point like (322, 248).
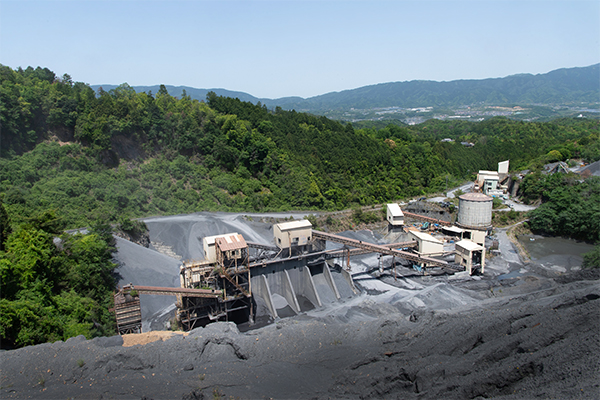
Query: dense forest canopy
(107, 154)
(570, 208)
(53, 285)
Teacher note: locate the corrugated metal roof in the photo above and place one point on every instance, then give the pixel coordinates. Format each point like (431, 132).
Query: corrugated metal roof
(592, 169)
(395, 209)
(300, 224)
(425, 236)
(468, 245)
(231, 242)
(475, 197)
(211, 239)
(453, 229)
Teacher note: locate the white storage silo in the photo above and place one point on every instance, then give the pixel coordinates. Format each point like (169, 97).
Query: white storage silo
(474, 211)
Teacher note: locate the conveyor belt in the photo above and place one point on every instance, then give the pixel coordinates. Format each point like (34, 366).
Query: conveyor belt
(379, 249)
(262, 246)
(172, 291)
(356, 252)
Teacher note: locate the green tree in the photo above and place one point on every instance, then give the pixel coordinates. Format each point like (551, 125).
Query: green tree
(5, 228)
(592, 258)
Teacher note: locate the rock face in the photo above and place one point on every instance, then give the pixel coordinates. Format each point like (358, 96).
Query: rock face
(142, 239)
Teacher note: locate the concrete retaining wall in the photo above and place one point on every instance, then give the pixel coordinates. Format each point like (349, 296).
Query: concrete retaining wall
(260, 288)
(304, 285)
(280, 283)
(329, 280)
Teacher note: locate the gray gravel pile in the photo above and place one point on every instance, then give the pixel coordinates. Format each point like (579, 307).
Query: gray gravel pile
(542, 345)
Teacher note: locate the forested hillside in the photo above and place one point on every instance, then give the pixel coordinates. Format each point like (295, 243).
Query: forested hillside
(106, 155)
(53, 285)
(562, 86)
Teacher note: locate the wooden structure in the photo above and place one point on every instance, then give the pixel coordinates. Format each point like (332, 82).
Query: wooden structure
(127, 303)
(128, 311)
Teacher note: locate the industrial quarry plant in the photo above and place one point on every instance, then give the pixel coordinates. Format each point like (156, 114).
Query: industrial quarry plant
(291, 276)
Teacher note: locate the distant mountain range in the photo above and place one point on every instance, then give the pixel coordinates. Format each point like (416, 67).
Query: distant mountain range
(561, 86)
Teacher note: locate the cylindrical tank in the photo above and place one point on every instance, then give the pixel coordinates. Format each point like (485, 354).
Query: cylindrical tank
(474, 210)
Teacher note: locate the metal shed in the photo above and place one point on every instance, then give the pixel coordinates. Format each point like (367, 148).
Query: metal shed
(209, 242)
(470, 255)
(231, 250)
(395, 216)
(427, 244)
(295, 233)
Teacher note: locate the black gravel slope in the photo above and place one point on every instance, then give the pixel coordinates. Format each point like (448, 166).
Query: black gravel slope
(537, 345)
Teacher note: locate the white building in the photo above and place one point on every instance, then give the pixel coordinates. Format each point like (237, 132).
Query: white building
(474, 235)
(427, 244)
(395, 216)
(470, 255)
(208, 243)
(503, 167)
(487, 181)
(295, 233)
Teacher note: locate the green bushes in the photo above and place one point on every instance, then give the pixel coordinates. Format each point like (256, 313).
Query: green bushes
(592, 258)
(54, 289)
(359, 216)
(570, 208)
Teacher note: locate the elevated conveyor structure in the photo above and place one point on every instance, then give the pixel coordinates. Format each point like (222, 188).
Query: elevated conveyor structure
(127, 303)
(375, 248)
(262, 246)
(357, 252)
(174, 291)
(230, 286)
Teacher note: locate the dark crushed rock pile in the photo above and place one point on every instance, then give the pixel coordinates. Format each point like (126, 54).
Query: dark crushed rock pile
(522, 347)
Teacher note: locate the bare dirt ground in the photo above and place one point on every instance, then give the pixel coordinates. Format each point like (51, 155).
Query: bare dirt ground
(134, 339)
(521, 331)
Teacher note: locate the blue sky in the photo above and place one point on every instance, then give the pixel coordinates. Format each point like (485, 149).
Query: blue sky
(283, 48)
